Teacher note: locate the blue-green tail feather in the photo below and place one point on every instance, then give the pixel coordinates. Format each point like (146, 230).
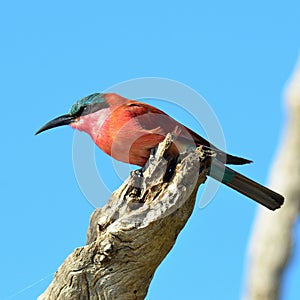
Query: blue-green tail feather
(246, 186)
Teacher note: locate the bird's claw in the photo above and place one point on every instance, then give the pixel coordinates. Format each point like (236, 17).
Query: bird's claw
(137, 173)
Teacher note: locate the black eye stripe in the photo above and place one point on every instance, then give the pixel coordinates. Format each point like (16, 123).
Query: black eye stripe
(91, 108)
(80, 111)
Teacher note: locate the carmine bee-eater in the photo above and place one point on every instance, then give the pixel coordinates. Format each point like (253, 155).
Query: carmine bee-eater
(127, 130)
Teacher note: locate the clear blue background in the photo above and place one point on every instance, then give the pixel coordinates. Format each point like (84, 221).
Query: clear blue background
(237, 55)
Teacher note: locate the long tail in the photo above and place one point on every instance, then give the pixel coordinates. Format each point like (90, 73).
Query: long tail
(246, 186)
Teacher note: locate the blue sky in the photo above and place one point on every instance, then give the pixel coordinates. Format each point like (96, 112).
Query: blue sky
(237, 55)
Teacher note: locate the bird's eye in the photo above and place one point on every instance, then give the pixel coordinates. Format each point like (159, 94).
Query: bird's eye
(82, 110)
(86, 109)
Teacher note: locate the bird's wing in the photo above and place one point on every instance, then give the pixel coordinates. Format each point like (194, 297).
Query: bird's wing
(150, 118)
(156, 121)
(220, 155)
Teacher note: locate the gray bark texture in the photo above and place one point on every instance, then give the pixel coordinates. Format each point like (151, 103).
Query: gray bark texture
(130, 236)
(272, 240)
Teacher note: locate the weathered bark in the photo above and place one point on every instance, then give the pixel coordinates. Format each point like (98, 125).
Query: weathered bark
(272, 240)
(130, 236)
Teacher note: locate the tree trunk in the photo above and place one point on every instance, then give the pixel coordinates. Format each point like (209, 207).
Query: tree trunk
(272, 240)
(129, 237)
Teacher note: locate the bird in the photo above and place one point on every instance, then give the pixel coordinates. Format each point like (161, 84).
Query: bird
(128, 130)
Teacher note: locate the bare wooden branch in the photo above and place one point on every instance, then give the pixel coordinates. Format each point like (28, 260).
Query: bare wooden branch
(131, 235)
(272, 240)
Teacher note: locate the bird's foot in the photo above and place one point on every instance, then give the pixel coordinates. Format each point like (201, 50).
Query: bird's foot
(137, 173)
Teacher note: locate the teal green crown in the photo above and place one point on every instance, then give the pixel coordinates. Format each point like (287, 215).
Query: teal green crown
(89, 100)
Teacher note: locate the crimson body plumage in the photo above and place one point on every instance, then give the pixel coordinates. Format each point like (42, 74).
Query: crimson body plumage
(127, 130)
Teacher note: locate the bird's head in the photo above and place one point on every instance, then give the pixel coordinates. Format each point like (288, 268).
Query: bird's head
(84, 114)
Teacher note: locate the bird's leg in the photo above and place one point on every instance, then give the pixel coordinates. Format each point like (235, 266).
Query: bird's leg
(139, 172)
(153, 151)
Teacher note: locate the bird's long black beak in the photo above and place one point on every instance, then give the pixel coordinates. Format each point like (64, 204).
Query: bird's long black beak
(60, 121)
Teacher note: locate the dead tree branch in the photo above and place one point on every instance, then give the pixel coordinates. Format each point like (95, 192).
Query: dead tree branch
(130, 236)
